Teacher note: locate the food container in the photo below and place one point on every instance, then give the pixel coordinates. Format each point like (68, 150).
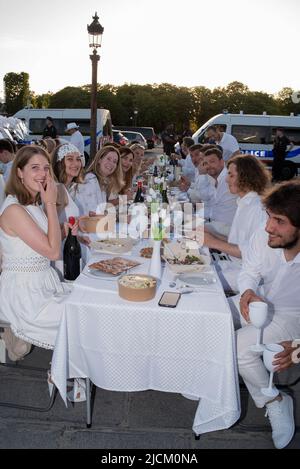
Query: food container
(180, 260)
(97, 224)
(137, 287)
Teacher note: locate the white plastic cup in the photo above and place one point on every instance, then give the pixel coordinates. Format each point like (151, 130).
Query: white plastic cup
(258, 312)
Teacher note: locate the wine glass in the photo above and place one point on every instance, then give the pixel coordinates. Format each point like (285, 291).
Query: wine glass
(268, 356)
(258, 312)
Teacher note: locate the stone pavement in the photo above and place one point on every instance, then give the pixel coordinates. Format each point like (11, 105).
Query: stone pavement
(144, 420)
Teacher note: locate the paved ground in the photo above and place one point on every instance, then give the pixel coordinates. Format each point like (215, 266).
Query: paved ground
(120, 420)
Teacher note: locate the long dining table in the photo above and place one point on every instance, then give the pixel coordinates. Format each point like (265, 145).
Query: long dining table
(129, 346)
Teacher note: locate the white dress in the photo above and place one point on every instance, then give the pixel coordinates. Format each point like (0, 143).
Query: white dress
(31, 294)
(89, 196)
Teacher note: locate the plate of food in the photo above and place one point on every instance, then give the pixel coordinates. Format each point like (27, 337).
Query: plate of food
(197, 280)
(113, 245)
(183, 259)
(111, 267)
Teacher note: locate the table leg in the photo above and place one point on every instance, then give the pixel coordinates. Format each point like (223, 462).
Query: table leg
(88, 403)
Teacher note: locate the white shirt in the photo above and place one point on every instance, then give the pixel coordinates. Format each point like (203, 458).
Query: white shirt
(224, 206)
(188, 168)
(229, 144)
(250, 215)
(7, 168)
(89, 196)
(77, 140)
(203, 190)
(281, 278)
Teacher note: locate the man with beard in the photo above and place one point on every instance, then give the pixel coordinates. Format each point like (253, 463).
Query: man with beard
(271, 273)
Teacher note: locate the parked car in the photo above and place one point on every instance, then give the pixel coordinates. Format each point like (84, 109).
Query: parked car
(135, 137)
(119, 138)
(147, 132)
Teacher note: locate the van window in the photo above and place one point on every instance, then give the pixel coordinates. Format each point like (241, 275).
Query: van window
(293, 134)
(37, 125)
(252, 134)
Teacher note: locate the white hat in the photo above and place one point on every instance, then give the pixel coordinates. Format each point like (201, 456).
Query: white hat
(71, 125)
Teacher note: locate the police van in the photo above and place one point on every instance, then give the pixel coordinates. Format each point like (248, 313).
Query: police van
(36, 122)
(255, 135)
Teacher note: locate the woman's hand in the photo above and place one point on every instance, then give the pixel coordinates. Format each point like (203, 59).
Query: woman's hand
(74, 228)
(49, 193)
(247, 297)
(84, 240)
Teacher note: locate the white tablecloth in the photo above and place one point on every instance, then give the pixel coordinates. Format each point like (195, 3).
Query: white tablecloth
(127, 346)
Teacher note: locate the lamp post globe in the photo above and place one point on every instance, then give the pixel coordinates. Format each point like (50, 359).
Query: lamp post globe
(95, 31)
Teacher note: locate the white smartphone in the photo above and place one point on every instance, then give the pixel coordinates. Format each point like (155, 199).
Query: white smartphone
(169, 299)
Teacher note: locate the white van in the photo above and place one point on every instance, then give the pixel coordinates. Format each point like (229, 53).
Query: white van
(36, 121)
(255, 134)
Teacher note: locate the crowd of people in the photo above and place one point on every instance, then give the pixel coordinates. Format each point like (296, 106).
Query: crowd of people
(254, 222)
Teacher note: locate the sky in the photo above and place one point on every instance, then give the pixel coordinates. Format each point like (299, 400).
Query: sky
(183, 42)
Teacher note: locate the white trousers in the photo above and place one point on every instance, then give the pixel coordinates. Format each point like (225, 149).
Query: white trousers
(250, 364)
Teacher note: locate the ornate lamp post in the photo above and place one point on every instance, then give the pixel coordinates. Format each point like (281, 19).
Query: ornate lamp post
(95, 31)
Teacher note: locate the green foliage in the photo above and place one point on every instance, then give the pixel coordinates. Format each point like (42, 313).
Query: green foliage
(17, 92)
(157, 104)
(71, 97)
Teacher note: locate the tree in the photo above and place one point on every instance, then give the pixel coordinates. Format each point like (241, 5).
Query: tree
(40, 101)
(285, 103)
(17, 94)
(71, 97)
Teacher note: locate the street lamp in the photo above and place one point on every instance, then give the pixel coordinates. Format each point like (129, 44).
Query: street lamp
(135, 112)
(95, 31)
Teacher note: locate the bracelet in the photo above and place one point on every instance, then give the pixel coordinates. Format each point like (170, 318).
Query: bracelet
(50, 203)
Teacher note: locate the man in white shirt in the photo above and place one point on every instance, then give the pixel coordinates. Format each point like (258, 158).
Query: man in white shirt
(188, 169)
(224, 205)
(6, 157)
(76, 137)
(228, 142)
(203, 188)
(271, 273)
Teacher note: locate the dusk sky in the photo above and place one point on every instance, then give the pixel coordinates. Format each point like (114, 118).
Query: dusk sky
(187, 43)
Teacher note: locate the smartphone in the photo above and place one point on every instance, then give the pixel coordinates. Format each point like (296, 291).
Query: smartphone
(169, 299)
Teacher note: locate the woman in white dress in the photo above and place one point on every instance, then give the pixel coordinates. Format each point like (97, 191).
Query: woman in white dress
(31, 294)
(103, 177)
(248, 178)
(68, 170)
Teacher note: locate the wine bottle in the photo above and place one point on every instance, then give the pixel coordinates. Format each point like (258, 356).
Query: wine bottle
(139, 194)
(71, 255)
(155, 172)
(164, 195)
